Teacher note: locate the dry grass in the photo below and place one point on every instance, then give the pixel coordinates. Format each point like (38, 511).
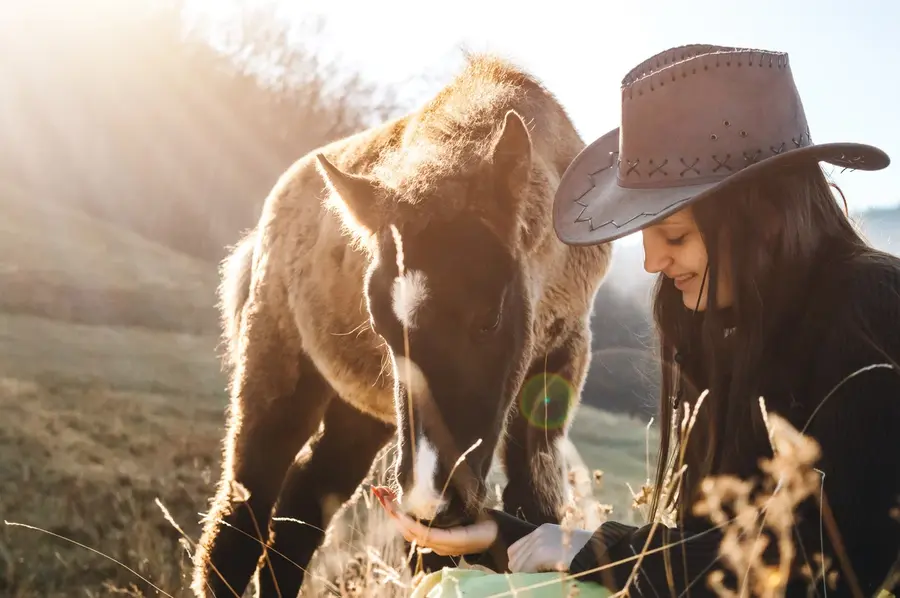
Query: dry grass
(86, 456)
(87, 464)
(99, 422)
(750, 517)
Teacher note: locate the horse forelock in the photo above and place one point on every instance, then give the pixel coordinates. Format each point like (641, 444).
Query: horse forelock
(449, 140)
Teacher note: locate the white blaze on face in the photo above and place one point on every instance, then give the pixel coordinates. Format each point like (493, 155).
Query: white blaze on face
(407, 295)
(423, 499)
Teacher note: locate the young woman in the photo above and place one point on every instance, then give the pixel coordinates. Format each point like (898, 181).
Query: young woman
(765, 290)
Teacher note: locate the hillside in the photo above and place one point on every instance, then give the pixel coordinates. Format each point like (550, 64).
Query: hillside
(62, 264)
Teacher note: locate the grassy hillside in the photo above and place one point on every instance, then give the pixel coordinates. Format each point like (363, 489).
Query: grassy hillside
(111, 396)
(101, 421)
(65, 265)
(87, 464)
(125, 358)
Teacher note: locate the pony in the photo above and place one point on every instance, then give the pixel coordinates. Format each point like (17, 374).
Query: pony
(402, 284)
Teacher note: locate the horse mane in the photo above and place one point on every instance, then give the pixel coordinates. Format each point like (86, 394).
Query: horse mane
(445, 141)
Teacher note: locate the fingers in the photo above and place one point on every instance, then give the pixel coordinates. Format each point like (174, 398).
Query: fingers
(520, 549)
(455, 541)
(529, 560)
(541, 550)
(464, 540)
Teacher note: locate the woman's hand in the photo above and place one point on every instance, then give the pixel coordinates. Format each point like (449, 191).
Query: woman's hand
(455, 541)
(548, 548)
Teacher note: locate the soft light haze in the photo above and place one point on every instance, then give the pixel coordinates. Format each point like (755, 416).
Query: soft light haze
(841, 54)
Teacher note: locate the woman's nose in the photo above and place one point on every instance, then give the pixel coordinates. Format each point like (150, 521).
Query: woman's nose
(655, 261)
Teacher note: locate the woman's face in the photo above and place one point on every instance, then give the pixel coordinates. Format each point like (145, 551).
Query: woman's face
(675, 248)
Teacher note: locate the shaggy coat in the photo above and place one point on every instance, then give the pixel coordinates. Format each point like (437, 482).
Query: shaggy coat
(450, 204)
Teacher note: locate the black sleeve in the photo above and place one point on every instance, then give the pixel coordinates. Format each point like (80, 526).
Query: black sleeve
(858, 430)
(615, 542)
(856, 423)
(671, 559)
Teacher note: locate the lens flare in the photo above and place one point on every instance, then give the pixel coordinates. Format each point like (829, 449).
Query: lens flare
(545, 400)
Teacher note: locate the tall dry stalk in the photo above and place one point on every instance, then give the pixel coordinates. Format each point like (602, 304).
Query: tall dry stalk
(753, 515)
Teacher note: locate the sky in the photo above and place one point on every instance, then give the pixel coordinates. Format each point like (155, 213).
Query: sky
(841, 54)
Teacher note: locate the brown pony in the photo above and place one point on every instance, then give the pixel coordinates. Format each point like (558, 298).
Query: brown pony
(424, 247)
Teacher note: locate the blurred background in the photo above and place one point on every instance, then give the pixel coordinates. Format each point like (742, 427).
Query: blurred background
(139, 138)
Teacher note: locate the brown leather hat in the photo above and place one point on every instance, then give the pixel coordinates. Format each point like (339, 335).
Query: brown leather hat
(695, 120)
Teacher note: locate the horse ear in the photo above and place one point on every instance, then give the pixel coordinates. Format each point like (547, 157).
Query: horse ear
(512, 153)
(356, 192)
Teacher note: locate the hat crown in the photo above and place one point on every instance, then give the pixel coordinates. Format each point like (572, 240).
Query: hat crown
(700, 113)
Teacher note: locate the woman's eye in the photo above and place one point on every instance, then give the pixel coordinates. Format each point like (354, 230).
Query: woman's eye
(676, 240)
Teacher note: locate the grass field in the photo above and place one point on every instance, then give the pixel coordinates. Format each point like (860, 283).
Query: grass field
(102, 418)
(85, 456)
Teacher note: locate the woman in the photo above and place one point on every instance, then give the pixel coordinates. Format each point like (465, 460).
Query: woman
(765, 290)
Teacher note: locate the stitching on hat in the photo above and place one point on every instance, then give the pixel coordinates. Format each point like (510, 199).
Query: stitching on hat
(649, 73)
(658, 168)
(749, 156)
(632, 167)
(662, 59)
(590, 220)
(752, 159)
(635, 217)
(691, 166)
(616, 162)
(853, 160)
(722, 163)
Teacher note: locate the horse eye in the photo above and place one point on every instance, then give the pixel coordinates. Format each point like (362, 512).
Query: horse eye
(492, 321)
(488, 323)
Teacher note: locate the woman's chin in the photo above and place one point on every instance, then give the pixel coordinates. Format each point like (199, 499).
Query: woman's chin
(690, 301)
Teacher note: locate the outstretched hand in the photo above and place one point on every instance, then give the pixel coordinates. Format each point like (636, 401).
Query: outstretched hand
(548, 548)
(467, 539)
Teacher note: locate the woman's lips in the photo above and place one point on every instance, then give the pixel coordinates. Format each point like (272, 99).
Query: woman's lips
(683, 281)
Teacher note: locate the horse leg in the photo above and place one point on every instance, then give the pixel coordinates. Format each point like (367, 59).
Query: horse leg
(532, 459)
(324, 477)
(278, 399)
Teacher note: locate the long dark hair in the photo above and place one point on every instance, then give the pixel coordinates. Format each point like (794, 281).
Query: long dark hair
(771, 234)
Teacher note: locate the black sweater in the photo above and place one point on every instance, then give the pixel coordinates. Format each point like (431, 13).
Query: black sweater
(856, 324)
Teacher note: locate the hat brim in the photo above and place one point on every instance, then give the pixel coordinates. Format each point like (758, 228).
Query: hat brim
(590, 207)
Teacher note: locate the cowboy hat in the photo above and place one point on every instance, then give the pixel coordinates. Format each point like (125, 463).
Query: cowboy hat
(696, 120)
